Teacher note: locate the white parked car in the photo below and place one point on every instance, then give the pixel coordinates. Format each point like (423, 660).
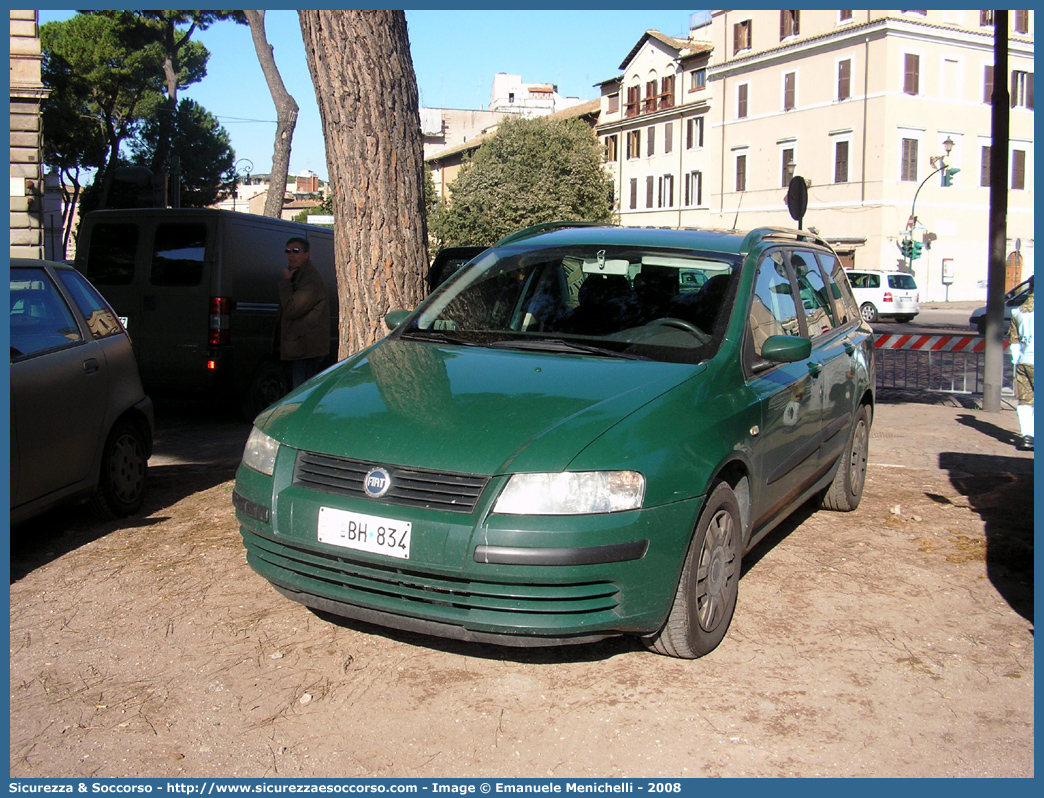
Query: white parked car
(885, 295)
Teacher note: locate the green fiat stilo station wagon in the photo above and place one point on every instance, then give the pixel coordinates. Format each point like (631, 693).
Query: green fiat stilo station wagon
(578, 435)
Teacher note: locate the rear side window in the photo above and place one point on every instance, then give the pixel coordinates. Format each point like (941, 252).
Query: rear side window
(100, 318)
(902, 282)
(40, 318)
(844, 302)
(813, 291)
(177, 254)
(110, 258)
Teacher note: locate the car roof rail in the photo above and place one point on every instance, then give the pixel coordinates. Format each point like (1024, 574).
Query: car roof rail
(543, 227)
(759, 234)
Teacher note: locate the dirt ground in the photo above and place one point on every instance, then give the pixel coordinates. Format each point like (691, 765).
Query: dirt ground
(894, 641)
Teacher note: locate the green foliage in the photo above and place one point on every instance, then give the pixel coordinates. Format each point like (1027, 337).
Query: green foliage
(530, 171)
(203, 148)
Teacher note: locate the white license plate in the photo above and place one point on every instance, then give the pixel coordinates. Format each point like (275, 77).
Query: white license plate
(361, 532)
(124, 320)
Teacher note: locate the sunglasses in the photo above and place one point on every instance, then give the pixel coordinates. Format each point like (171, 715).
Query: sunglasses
(295, 250)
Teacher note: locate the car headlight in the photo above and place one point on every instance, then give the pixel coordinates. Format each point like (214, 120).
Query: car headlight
(571, 493)
(260, 452)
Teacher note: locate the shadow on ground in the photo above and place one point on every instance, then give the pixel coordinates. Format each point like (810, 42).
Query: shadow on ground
(1000, 490)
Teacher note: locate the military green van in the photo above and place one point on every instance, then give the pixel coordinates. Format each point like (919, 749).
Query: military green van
(197, 292)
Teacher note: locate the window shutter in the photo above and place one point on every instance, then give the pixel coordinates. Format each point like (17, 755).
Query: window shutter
(736, 38)
(987, 85)
(1029, 90)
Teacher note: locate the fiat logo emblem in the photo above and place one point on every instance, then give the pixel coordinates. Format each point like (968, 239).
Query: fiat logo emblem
(377, 483)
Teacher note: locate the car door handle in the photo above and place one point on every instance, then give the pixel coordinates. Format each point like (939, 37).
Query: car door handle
(90, 366)
(814, 368)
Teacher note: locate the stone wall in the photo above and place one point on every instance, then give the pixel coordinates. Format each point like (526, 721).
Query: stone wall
(27, 92)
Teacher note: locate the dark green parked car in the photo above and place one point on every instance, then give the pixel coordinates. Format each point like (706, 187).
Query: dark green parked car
(578, 435)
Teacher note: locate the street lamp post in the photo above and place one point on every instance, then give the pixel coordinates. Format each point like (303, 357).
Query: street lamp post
(236, 172)
(939, 162)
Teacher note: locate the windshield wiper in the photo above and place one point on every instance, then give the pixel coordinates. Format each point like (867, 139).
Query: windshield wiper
(439, 336)
(562, 345)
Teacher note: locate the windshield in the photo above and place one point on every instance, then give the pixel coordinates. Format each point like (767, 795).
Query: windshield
(670, 305)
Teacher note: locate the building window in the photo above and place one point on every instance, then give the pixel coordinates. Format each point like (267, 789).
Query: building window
(694, 188)
(634, 194)
(788, 158)
(788, 24)
(650, 185)
(694, 132)
(841, 162)
(614, 103)
(987, 84)
(667, 92)
(911, 74)
(1018, 170)
(610, 149)
(668, 137)
(634, 143)
(741, 101)
(1022, 90)
(650, 97)
(1021, 22)
(699, 79)
(650, 136)
(844, 80)
(984, 168)
(741, 36)
(741, 173)
(789, 90)
(844, 16)
(986, 19)
(665, 192)
(909, 167)
(633, 98)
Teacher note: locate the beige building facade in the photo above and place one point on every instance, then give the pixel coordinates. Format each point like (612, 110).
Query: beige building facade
(27, 92)
(860, 104)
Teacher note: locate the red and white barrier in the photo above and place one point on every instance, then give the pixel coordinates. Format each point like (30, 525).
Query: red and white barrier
(933, 343)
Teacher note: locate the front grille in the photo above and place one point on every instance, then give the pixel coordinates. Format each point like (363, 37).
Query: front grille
(411, 487)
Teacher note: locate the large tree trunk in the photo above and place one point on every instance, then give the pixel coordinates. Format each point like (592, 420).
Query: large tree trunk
(286, 114)
(367, 95)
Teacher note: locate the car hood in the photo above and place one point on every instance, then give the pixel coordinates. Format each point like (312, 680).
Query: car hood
(466, 409)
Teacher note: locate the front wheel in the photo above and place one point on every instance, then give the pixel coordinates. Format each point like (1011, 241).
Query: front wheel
(868, 312)
(121, 483)
(271, 383)
(706, 598)
(846, 491)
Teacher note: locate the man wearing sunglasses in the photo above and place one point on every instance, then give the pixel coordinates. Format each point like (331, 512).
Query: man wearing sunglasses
(304, 314)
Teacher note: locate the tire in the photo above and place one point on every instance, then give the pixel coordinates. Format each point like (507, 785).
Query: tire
(868, 312)
(121, 481)
(980, 326)
(846, 491)
(271, 383)
(704, 605)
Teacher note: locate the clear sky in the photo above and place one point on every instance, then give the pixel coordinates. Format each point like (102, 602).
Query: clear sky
(455, 55)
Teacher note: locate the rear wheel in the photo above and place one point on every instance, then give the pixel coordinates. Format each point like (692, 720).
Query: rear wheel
(868, 312)
(270, 384)
(121, 483)
(846, 491)
(706, 598)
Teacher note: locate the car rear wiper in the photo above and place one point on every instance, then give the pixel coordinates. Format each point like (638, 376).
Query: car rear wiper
(563, 345)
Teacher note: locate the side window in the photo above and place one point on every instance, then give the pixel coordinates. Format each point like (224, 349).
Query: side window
(101, 321)
(844, 302)
(40, 319)
(813, 291)
(177, 254)
(772, 308)
(111, 255)
(873, 281)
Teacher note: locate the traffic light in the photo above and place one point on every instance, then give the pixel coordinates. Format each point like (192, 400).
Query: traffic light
(916, 247)
(906, 247)
(947, 175)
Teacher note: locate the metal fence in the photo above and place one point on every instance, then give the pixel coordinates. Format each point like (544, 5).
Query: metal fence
(951, 364)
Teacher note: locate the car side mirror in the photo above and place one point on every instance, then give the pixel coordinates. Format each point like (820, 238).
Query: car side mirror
(786, 348)
(393, 318)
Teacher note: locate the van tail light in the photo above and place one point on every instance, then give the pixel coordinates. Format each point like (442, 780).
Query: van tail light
(887, 296)
(220, 320)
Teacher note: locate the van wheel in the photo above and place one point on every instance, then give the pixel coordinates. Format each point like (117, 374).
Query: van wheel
(706, 597)
(121, 482)
(868, 312)
(270, 384)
